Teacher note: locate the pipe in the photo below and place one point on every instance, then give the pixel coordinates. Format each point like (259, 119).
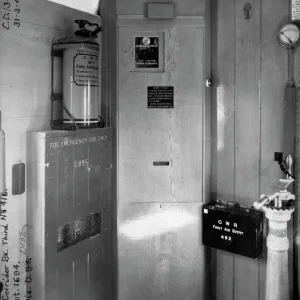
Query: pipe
(277, 278)
(264, 199)
(297, 206)
(278, 214)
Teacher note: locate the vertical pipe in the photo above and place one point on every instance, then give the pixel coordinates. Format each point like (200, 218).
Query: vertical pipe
(277, 279)
(277, 288)
(290, 82)
(297, 194)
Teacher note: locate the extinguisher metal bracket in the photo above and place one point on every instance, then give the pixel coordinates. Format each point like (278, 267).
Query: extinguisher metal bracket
(83, 31)
(59, 124)
(74, 125)
(101, 122)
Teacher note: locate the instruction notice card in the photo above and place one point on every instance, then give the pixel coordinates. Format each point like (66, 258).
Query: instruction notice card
(160, 97)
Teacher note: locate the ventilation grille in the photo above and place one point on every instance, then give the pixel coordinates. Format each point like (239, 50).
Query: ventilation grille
(78, 231)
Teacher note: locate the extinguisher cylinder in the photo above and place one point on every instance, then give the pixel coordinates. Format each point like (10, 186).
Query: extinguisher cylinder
(81, 84)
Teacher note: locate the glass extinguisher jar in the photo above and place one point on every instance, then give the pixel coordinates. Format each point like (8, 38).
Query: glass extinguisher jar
(75, 97)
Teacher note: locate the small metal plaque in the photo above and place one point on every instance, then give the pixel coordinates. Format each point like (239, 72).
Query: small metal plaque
(233, 229)
(160, 97)
(18, 179)
(78, 230)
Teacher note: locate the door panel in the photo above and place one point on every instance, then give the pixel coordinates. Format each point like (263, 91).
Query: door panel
(160, 251)
(160, 254)
(173, 135)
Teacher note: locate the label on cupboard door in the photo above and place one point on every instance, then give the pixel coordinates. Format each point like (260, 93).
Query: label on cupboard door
(160, 97)
(295, 10)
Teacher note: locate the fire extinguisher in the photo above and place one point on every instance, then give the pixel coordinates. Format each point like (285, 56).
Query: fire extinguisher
(76, 77)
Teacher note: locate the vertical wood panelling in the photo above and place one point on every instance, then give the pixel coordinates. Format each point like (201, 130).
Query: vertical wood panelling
(247, 134)
(206, 162)
(273, 79)
(249, 51)
(296, 230)
(223, 45)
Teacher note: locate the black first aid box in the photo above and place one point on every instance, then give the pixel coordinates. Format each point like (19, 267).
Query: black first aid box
(233, 228)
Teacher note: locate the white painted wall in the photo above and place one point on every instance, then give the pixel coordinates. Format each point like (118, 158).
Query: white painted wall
(89, 6)
(25, 89)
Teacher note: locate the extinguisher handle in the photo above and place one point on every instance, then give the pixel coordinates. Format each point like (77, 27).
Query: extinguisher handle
(83, 23)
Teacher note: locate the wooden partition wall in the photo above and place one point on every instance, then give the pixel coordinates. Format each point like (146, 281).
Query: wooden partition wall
(252, 118)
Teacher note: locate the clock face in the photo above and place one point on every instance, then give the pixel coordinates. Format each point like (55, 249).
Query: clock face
(289, 35)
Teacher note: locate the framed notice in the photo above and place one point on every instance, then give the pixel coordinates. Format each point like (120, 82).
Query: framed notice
(295, 10)
(148, 52)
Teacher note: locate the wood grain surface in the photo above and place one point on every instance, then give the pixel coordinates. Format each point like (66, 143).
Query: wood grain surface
(173, 135)
(261, 119)
(223, 129)
(160, 255)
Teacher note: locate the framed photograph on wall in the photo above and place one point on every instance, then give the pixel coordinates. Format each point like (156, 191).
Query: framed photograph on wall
(148, 52)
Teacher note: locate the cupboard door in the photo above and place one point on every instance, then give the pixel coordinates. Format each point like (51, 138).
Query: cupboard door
(160, 149)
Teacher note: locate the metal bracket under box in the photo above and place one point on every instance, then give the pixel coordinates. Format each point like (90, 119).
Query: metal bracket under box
(233, 228)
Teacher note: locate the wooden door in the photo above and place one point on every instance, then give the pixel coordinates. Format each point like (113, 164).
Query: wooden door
(173, 135)
(161, 160)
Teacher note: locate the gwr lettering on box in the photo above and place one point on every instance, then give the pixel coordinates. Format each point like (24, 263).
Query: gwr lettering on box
(227, 223)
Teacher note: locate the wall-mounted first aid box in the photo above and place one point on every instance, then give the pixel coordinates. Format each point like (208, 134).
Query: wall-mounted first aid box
(233, 228)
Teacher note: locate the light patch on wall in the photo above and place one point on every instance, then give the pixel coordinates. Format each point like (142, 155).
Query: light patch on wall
(297, 238)
(156, 224)
(89, 6)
